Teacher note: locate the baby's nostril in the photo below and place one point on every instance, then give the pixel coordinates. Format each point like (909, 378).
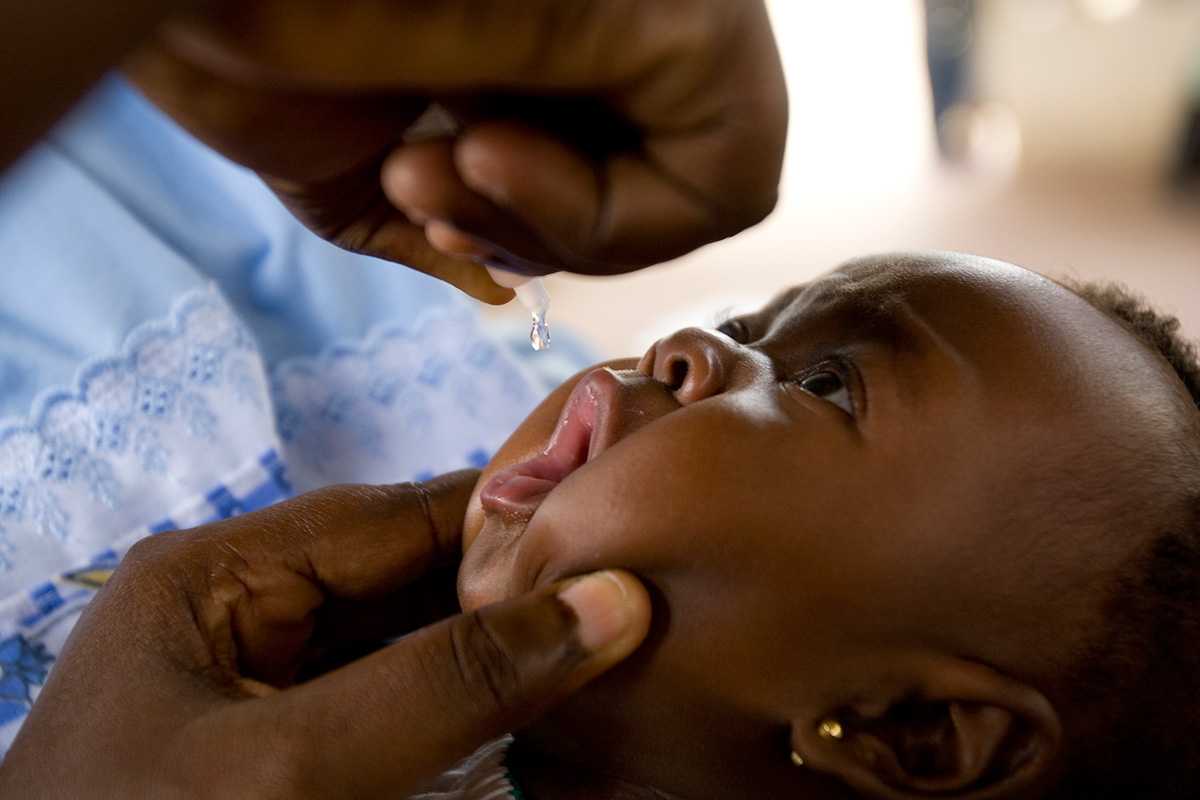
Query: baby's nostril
(677, 370)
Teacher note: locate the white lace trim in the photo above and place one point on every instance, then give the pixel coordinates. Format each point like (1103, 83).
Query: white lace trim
(184, 403)
(409, 400)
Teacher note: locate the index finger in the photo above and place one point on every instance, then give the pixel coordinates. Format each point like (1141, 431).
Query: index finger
(339, 567)
(343, 551)
(352, 541)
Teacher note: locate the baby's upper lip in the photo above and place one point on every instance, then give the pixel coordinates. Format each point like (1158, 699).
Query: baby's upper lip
(601, 410)
(604, 397)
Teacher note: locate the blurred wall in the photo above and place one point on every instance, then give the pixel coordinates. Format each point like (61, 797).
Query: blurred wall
(1094, 93)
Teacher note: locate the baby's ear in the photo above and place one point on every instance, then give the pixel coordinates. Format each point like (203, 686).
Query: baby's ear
(960, 730)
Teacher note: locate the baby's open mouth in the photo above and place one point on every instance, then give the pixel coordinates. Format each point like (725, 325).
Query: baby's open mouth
(520, 489)
(590, 422)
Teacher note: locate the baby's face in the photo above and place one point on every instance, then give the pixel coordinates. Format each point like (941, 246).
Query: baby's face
(810, 492)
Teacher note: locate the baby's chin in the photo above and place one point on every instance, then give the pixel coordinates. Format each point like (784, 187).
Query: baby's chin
(488, 570)
(492, 568)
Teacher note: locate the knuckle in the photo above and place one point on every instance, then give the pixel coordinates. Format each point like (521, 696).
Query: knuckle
(148, 553)
(438, 507)
(485, 667)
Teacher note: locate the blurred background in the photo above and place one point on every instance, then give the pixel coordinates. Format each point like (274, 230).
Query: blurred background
(1062, 135)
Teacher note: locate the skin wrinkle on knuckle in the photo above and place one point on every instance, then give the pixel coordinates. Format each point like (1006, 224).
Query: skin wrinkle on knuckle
(213, 656)
(228, 573)
(433, 523)
(230, 587)
(219, 585)
(424, 499)
(484, 667)
(439, 528)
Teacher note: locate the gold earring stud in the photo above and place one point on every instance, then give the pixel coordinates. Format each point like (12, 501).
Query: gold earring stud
(831, 729)
(797, 759)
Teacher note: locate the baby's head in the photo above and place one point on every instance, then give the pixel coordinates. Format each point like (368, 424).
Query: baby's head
(941, 500)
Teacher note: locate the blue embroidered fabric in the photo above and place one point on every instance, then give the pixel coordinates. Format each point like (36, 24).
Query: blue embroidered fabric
(176, 349)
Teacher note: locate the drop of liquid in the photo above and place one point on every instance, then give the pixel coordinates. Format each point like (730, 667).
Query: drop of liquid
(539, 332)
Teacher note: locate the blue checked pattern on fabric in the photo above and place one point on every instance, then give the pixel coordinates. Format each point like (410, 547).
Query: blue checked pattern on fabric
(186, 426)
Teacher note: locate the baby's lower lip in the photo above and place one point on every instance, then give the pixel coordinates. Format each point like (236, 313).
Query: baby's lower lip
(520, 489)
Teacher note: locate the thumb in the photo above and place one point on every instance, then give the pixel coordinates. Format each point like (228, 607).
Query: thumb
(401, 716)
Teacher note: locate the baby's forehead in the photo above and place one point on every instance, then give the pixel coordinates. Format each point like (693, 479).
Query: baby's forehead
(882, 280)
(960, 298)
(1005, 322)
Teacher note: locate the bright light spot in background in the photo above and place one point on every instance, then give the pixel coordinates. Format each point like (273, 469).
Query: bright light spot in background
(860, 107)
(1033, 16)
(985, 137)
(1108, 10)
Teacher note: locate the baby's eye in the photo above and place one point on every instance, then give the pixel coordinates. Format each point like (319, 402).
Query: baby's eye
(735, 329)
(828, 385)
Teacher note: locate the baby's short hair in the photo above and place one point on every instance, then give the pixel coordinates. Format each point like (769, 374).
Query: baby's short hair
(1142, 672)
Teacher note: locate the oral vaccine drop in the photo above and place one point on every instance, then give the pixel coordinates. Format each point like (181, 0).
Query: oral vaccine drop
(438, 123)
(533, 295)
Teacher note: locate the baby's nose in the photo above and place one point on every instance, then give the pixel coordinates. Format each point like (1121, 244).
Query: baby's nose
(693, 363)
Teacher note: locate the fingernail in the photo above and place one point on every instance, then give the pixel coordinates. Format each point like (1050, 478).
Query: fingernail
(602, 606)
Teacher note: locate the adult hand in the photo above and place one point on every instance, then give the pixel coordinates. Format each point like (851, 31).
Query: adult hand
(183, 676)
(595, 136)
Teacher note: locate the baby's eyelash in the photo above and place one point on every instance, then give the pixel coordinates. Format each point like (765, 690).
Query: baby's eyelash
(849, 374)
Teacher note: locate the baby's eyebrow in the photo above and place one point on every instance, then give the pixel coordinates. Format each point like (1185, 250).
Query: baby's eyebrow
(873, 313)
(881, 319)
